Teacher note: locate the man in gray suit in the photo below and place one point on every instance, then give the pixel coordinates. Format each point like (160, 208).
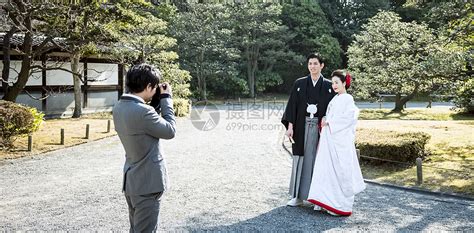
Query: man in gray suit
(140, 129)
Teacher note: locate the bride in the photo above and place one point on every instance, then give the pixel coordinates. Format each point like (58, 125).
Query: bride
(336, 174)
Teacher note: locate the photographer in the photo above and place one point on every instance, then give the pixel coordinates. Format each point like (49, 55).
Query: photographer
(140, 129)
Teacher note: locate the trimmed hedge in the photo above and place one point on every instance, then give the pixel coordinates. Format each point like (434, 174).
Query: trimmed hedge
(16, 120)
(402, 147)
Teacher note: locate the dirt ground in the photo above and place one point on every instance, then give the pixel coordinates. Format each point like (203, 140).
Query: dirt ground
(228, 179)
(448, 168)
(48, 137)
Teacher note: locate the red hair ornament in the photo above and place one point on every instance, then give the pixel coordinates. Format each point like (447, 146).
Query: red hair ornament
(348, 80)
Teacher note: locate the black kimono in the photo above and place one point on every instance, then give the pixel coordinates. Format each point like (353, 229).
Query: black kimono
(302, 94)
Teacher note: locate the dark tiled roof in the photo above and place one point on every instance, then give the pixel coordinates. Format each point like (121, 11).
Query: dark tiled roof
(17, 40)
(4, 26)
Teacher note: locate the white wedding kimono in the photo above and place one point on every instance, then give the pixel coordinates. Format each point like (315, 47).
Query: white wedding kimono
(336, 175)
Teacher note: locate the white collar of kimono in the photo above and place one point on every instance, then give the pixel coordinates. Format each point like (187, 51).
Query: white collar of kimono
(314, 82)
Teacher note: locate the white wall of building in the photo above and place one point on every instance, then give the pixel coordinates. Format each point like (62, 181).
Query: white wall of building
(105, 74)
(63, 103)
(102, 99)
(60, 77)
(98, 73)
(15, 66)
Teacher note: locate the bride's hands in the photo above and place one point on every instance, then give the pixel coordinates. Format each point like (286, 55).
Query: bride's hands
(323, 122)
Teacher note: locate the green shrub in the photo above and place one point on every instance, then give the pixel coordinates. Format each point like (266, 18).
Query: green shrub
(16, 120)
(181, 107)
(402, 147)
(464, 98)
(37, 119)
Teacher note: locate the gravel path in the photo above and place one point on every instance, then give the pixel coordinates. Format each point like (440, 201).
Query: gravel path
(225, 179)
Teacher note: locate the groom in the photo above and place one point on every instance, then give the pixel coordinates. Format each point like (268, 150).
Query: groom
(140, 129)
(306, 107)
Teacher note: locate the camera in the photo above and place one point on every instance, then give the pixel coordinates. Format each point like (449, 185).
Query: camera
(155, 101)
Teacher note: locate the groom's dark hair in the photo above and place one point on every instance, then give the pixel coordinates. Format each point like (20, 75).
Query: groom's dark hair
(315, 55)
(140, 75)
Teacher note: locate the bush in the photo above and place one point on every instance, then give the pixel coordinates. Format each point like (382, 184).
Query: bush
(230, 86)
(402, 147)
(181, 107)
(464, 98)
(16, 120)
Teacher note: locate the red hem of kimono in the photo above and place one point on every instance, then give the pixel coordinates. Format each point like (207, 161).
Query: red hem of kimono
(343, 213)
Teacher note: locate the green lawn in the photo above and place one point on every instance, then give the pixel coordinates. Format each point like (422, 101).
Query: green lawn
(449, 166)
(437, 114)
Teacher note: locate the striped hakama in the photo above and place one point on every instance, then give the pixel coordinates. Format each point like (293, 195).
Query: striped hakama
(302, 171)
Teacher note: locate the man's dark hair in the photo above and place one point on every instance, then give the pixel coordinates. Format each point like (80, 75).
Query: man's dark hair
(140, 75)
(317, 56)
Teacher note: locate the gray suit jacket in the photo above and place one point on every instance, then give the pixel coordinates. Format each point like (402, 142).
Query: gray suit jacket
(140, 129)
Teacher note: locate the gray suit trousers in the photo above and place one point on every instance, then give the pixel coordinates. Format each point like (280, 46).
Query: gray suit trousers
(143, 211)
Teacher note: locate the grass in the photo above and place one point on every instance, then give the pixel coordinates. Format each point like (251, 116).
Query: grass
(449, 166)
(433, 178)
(437, 114)
(47, 138)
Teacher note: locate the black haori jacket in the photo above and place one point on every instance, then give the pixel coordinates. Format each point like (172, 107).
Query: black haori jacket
(295, 111)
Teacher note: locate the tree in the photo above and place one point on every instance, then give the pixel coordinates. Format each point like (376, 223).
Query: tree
(146, 39)
(348, 16)
(6, 59)
(390, 56)
(205, 44)
(82, 27)
(409, 10)
(464, 95)
(263, 42)
(312, 33)
(454, 22)
(23, 17)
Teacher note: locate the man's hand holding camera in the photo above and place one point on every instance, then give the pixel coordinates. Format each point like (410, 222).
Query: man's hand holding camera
(163, 91)
(165, 88)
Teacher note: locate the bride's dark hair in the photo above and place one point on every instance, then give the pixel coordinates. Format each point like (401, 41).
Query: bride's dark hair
(345, 77)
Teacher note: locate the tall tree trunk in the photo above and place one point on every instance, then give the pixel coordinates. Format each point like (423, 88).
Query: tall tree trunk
(26, 62)
(251, 81)
(254, 72)
(252, 56)
(202, 78)
(199, 84)
(204, 88)
(398, 103)
(6, 59)
(250, 73)
(401, 101)
(75, 57)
